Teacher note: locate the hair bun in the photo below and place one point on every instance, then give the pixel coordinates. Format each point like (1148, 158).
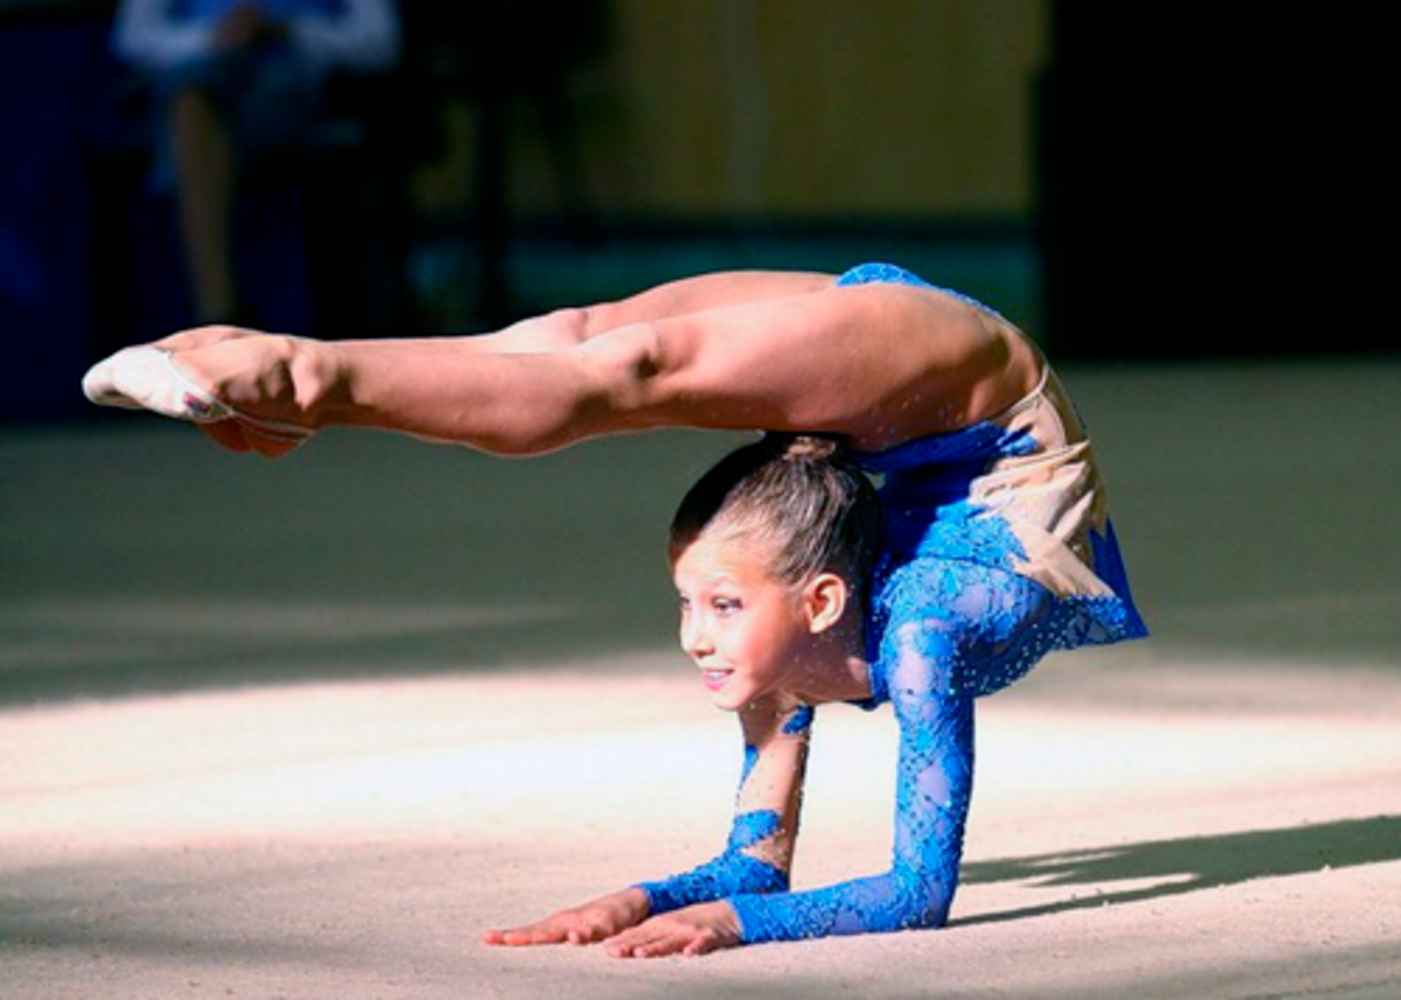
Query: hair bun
(808, 447)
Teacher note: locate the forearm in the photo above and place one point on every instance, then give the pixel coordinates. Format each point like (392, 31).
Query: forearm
(894, 901)
(730, 874)
(931, 809)
(759, 851)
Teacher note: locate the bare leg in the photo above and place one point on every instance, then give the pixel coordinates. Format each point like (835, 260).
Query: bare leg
(565, 328)
(706, 291)
(204, 166)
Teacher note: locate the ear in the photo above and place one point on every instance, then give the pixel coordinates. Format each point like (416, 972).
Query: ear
(824, 600)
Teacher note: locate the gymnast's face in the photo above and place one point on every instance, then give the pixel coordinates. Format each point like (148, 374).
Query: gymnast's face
(744, 629)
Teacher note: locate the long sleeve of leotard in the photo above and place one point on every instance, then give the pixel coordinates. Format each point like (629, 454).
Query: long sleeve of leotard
(935, 775)
(765, 796)
(948, 629)
(728, 874)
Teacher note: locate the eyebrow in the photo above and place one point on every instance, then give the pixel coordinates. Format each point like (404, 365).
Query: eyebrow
(715, 583)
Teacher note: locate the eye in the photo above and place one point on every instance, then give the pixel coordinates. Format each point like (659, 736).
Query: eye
(726, 605)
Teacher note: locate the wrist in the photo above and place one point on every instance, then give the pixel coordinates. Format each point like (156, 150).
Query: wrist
(639, 900)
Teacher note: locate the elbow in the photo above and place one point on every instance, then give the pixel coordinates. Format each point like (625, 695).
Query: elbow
(922, 903)
(929, 918)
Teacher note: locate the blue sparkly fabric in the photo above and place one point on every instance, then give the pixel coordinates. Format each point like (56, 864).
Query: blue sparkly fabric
(955, 614)
(733, 872)
(729, 874)
(930, 516)
(947, 631)
(935, 782)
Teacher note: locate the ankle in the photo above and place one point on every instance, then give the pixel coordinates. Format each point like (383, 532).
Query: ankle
(318, 378)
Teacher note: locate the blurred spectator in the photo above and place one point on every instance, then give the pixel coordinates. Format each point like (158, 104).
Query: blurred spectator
(232, 79)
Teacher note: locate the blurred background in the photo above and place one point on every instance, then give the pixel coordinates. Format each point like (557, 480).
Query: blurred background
(1191, 216)
(267, 723)
(1106, 179)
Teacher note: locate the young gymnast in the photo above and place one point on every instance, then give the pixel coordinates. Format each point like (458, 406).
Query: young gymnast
(987, 545)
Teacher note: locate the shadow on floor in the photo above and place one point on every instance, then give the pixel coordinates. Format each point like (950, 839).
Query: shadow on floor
(1190, 864)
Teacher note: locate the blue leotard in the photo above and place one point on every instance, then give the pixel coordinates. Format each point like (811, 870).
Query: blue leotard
(997, 550)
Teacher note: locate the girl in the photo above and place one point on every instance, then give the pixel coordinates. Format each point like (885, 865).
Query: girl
(993, 545)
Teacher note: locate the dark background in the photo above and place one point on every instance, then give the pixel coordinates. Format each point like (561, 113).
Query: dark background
(1201, 190)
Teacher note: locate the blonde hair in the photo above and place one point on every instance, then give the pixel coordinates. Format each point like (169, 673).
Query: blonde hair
(804, 501)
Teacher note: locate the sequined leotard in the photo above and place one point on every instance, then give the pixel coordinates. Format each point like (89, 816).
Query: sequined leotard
(997, 550)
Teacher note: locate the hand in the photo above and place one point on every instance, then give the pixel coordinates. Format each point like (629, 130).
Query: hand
(594, 921)
(694, 930)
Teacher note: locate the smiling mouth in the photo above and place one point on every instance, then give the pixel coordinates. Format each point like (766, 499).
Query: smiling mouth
(714, 680)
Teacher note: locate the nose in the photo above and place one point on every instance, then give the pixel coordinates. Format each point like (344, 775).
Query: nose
(695, 640)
